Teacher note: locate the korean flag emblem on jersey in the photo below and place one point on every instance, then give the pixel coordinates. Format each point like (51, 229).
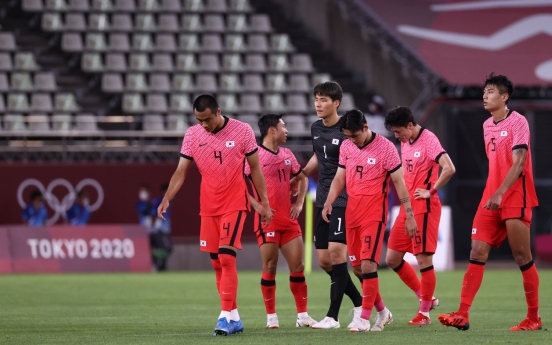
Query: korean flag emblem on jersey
(335, 141)
(504, 134)
(270, 234)
(371, 161)
(229, 144)
(287, 161)
(416, 154)
(203, 243)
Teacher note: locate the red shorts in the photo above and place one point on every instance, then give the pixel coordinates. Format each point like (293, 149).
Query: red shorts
(223, 230)
(364, 242)
(490, 226)
(280, 237)
(426, 238)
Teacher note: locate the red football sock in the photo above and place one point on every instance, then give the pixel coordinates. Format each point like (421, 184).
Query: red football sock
(268, 288)
(378, 303)
(218, 269)
(298, 287)
(531, 287)
(428, 288)
(228, 279)
(370, 290)
(471, 284)
(408, 276)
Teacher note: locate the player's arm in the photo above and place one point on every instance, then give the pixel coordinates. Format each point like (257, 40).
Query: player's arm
(447, 170)
(398, 179)
(309, 169)
(303, 186)
(259, 182)
(519, 157)
(338, 183)
(255, 204)
(177, 180)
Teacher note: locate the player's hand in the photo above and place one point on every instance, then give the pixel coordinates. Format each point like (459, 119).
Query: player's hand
(266, 215)
(494, 202)
(411, 228)
(162, 208)
(422, 194)
(326, 211)
(295, 210)
(293, 187)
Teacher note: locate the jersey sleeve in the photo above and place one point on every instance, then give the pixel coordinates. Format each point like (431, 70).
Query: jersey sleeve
(434, 148)
(295, 166)
(342, 155)
(247, 169)
(521, 134)
(186, 150)
(393, 160)
(250, 141)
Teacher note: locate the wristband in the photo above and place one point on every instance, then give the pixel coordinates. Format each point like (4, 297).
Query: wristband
(432, 191)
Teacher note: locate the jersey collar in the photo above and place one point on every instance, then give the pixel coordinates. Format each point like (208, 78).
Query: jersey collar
(496, 123)
(418, 137)
(269, 150)
(221, 128)
(368, 143)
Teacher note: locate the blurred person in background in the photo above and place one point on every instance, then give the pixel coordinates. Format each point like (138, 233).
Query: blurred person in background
(79, 213)
(35, 213)
(144, 207)
(160, 239)
(376, 119)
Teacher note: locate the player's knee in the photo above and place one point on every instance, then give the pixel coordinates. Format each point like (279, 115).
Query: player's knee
(477, 254)
(299, 267)
(270, 266)
(324, 264)
(392, 261)
(522, 257)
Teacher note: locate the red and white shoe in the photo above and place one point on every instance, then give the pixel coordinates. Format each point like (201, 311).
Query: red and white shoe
(528, 325)
(420, 320)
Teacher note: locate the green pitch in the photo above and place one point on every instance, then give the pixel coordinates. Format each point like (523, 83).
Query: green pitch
(182, 308)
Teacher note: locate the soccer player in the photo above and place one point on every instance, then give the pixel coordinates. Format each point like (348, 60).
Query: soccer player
(278, 165)
(219, 146)
(422, 155)
(506, 206)
(329, 238)
(366, 160)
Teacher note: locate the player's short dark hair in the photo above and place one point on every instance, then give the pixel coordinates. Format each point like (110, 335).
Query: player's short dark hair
(35, 194)
(502, 83)
(204, 102)
(330, 89)
(268, 120)
(353, 121)
(399, 117)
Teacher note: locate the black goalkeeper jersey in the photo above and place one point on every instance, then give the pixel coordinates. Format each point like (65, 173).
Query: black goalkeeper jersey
(326, 142)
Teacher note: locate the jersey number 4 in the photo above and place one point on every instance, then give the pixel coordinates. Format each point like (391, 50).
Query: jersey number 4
(218, 154)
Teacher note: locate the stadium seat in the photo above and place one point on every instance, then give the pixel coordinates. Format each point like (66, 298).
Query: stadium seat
(156, 103)
(38, 122)
(168, 23)
(2, 105)
(258, 43)
(180, 103)
(209, 63)
(232, 63)
(86, 122)
(253, 83)
(256, 63)
(71, 42)
(121, 22)
(133, 103)
(96, 42)
(276, 82)
(297, 103)
(142, 42)
(281, 43)
(32, 6)
(177, 122)
(112, 83)
(235, 42)
(206, 83)
(119, 42)
(170, 6)
(260, 23)
(163, 63)
(186, 62)
(18, 102)
(251, 103)
(153, 122)
(4, 85)
(230, 83)
(301, 63)
(216, 6)
(78, 5)
(228, 103)
(183, 83)
(189, 43)
(136, 82)
(14, 122)
(274, 103)
(66, 102)
(145, 22)
(252, 120)
(214, 23)
(102, 5)
(320, 78)
(237, 23)
(192, 23)
(56, 5)
(165, 43)
(51, 22)
(211, 43)
(21, 81)
(5, 62)
(194, 5)
(124, 6)
(115, 62)
(45, 81)
(148, 5)
(61, 122)
(239, 6)
(347, 102)
(7, 41)
(98, 22)
(295, 124)
(299, 83)
(139, 62)
(159, 82)
(75, 22)
(92, 62)
(278, 62)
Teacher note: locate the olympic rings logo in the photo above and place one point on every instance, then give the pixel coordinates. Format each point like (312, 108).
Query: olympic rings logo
(60, 207)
